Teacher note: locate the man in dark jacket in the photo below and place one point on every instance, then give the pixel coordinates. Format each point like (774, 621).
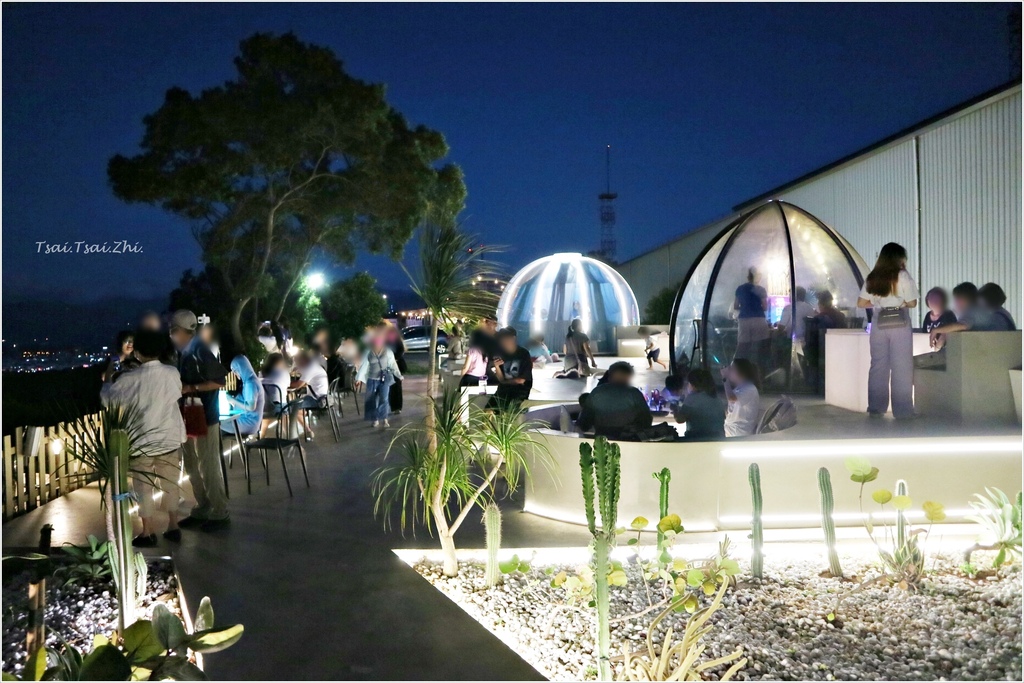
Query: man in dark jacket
(616, 409)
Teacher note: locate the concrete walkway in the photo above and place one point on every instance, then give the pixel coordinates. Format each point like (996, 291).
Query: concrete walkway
(313, 577)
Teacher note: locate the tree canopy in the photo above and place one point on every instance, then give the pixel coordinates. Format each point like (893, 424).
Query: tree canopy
(351, 305)
(658, 310)
(290, 158)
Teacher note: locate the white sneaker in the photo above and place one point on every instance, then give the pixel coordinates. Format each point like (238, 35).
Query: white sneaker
(386, 424)
(375, 423)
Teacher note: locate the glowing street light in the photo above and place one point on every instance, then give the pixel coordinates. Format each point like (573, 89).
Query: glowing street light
(315, 281)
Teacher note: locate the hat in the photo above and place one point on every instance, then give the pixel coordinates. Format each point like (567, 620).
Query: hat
(184, 320)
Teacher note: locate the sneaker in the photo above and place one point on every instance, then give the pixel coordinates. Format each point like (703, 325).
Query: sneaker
(173, 535)
(375, 423)
(396, 412)
(215, 524)
(145, 541)
(190, 522)
(386, 424)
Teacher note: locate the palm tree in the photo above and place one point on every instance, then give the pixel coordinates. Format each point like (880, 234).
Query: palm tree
(452, 262)
(439, 485)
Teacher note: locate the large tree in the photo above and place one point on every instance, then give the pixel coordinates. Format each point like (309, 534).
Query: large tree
(351, 305)
(290, 158)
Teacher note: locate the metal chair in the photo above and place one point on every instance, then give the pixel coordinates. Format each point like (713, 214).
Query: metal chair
(323, 404)
(346, 384)
(280, 441)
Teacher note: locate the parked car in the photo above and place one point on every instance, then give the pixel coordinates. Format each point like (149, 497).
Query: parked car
(418, 339)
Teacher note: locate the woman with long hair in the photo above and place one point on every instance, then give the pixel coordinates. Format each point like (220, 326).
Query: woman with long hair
(891, 293)
(577, 350)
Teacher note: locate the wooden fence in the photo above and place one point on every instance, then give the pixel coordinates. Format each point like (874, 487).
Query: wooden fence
(31, 479)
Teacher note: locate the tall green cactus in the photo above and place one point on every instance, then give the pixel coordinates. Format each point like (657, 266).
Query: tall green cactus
(492, 529)
(756, 528)
(599, 466)
(827, 523)
(664, 477)
(901, 519)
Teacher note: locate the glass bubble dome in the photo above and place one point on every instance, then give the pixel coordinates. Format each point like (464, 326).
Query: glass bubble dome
(788, 249)
(544, 297)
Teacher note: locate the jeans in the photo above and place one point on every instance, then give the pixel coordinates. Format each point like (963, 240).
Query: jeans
(376, 406)
(892, 371)
(202, 463)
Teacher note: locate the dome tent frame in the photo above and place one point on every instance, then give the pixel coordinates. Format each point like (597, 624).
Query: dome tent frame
(737, 227)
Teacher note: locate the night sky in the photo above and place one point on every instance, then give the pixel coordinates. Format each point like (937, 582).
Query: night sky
(705, 106)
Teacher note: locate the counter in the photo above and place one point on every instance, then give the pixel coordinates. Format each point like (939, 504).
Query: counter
(847, 360)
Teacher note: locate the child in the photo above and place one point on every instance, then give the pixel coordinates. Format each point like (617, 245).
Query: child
(653, 352)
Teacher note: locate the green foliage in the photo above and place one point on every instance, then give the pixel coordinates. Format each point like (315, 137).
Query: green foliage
(156, 649)
(663, 477)
(658, 310)
(756, 528)
(514, 564)
(350, 306)
(291, 158)
(827, 523)
(88, 562)
(1001, 519)
(599, 465)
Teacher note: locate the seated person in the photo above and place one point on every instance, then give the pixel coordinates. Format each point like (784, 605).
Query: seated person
(675, 390)
(275, 379)
(937, 303)
(743, 396)
(701, 410)
(250, 399)
(971, 315)
(794, 318)
(539, 351)
(313, 378)
(514, 369)
(615, 409)
(829, 317)
(993, 297)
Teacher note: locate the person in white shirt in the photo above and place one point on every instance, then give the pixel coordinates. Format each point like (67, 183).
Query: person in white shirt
(153, 389)
(891, 293)
(794, 318)
(275, 380)
(313, 378)
(743, 396)
(651, 348)
(378, 372)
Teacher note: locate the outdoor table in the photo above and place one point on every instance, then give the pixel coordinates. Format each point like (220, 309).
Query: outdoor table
(232, 417)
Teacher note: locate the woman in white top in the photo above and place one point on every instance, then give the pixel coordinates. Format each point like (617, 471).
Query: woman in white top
(743, 397)
(891, 292)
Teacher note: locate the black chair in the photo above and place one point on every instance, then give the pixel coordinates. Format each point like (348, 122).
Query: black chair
(347, 385)
(324, 404)
(281, 441)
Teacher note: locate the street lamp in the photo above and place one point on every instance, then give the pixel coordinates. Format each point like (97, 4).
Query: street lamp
(315, 281)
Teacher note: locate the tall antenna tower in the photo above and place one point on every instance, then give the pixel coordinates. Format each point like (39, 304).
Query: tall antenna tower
(608, 245)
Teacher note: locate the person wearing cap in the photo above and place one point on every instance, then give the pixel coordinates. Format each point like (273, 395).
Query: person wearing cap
(513, 368)
(202, 376)
(616, 409)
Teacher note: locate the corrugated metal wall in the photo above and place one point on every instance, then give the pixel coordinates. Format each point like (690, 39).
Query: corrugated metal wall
(970, 201)
(966, 173)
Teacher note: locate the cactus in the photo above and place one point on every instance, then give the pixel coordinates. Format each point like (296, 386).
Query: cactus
(827, 523)
(664, 477)
(901, 519)
(599, 466)
(124, 560)
(756, 529)
(492, 526)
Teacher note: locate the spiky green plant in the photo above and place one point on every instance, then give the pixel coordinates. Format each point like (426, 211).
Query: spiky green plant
(828, 525)
(901, 518)
(492, 532)
(663, 477)
(1001, 519)
(599, 465)
(439, 486)
(756, 528)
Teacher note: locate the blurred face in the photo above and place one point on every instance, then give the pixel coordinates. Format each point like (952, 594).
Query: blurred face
(960, 304)
(934, 303)
(620, 377)
(206, 333)
(509, 344)
(180, 338)
(733, 375)
(491, 326)
(150, 322)
(127, 347)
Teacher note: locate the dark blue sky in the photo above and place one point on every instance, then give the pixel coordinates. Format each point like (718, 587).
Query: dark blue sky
(705, 106)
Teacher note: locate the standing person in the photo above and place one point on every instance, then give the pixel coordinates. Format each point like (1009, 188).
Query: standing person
(701, 409)
(250, 400)
(202, 376)
(891, 293)
(456, 342)
(474, 369)
(651, 348)
(377, 373)
(122, 358)
(937, 302)
(577, 350)
(153, 389)
(993, 297)
(751, 301)
(152, 321)
(208, 333)
(397, 346)
(514, 369)
(483, 339)
(741, 391)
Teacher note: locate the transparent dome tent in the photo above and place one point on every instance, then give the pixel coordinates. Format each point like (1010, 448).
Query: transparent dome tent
(544, 297)
(785, 250)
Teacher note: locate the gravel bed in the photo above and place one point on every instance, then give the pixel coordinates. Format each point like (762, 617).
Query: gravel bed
(77, 612)
(952, 628)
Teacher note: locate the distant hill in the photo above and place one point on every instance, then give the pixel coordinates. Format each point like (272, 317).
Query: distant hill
(85, 324)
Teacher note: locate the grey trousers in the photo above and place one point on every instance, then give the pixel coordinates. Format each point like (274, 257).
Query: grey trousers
(892, 371)
(202, 462)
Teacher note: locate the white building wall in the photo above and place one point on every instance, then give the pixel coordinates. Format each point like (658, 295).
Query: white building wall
(971, 201)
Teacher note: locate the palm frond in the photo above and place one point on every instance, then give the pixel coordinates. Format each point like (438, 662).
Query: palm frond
(508, 433)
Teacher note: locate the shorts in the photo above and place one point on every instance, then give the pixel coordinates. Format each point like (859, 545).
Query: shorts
(653, 355)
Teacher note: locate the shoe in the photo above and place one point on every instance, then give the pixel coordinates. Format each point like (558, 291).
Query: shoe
(145, 541)
(375, 423)
(874, 413)
(215, 524)
(190, 522)
(173, 535)
(386, 424)
(396, 412)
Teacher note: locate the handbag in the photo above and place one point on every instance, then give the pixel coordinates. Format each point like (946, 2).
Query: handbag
(891, 318)
(194, 415)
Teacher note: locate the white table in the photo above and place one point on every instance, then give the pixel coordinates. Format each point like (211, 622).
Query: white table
(847, 360)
